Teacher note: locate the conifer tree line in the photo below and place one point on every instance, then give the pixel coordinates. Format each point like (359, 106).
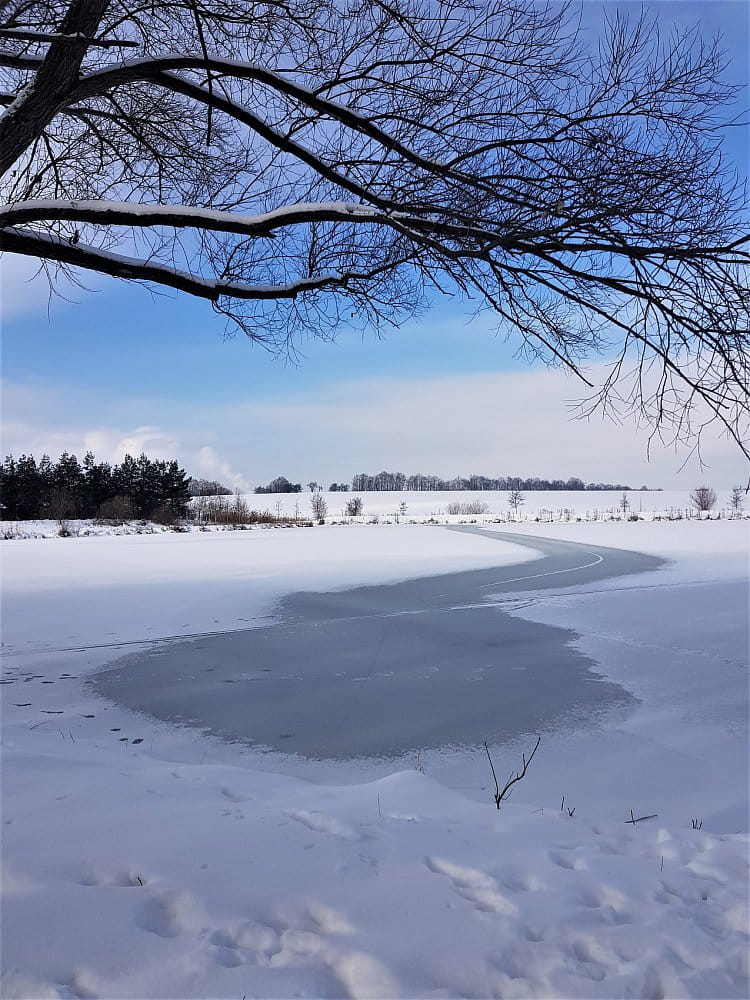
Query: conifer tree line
(398, 481)
(137, 487)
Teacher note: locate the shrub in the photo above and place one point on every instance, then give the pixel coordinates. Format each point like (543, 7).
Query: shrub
(319, 507)
(164, 515)
(474, 507)
(703, 498)
(115, 511)
(467, 507)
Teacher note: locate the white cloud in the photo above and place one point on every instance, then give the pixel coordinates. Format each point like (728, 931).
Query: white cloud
(515, 423)
(112, 444)
(494, 424)
(210, 465)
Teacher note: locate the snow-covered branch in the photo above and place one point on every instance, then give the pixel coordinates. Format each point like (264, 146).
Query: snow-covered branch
(136, 269)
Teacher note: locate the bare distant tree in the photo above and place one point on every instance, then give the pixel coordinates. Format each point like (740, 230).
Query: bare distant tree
(313, 486)
(516, 500)
(308, 166)
(703, 498)
(624, 503)
(737, 500)
(207, 488)
(319, 506)
(354, 507)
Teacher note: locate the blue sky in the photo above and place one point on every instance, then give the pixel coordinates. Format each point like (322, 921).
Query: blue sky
(120, 369)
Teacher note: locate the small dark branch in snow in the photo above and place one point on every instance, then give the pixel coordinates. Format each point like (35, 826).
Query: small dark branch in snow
(638, 819)
(500, 795)
(571, 811)
(697, 824)
(562, 803)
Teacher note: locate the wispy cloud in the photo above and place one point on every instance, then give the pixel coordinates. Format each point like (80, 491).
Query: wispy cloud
(494, 424)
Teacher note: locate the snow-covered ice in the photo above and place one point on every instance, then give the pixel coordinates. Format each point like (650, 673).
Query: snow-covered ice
(145, 861)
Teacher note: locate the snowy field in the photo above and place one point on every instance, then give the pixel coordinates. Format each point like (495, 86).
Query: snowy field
(549, 506)
(555, 504)
(141, 860)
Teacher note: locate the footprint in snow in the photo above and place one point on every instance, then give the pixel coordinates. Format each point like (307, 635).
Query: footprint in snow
(523, 881)
(170, 914)
(563, 859)
(245, 943)
(322, 824)
(477, 887)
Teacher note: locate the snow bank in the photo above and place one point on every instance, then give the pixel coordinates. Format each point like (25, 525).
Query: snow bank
(133, 876)
(145, 861)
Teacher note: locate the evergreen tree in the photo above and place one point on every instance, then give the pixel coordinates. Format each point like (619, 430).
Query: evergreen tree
(98, 484)
(176, 488)
(9, 490)
(67, 487)
(27, 479)
(46, 484)
(125, 477)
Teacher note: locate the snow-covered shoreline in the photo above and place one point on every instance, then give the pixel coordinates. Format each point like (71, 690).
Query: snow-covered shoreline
(415, 507)
(178, 867)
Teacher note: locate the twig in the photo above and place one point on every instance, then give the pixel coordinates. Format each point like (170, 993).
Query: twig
(638, 819)
(51, 36)
(500, 795)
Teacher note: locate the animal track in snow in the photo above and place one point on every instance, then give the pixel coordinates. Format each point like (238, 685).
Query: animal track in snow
(473, 885)
(564, 859)
(590, 950)
(599, 894)
(170, 914)
(233, 796)
(322, 824)
(247, 943)
(523, 881)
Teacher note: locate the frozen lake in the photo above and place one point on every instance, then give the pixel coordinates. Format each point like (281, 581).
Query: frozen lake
(382, 670)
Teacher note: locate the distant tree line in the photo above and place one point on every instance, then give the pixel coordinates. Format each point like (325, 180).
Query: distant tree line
(207, 488)
(137, 487)
(398, 481)
(279, 485)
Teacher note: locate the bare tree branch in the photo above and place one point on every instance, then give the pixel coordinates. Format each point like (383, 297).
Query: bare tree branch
(308, 167)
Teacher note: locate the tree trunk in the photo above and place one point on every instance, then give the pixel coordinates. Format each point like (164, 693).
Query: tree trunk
(37, 104)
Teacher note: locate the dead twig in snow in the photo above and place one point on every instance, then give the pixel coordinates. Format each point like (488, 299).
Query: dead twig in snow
(639, 819)
(500, 795)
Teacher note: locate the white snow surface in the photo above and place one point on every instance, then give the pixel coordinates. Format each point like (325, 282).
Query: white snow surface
(182, 867)
(557, 504)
